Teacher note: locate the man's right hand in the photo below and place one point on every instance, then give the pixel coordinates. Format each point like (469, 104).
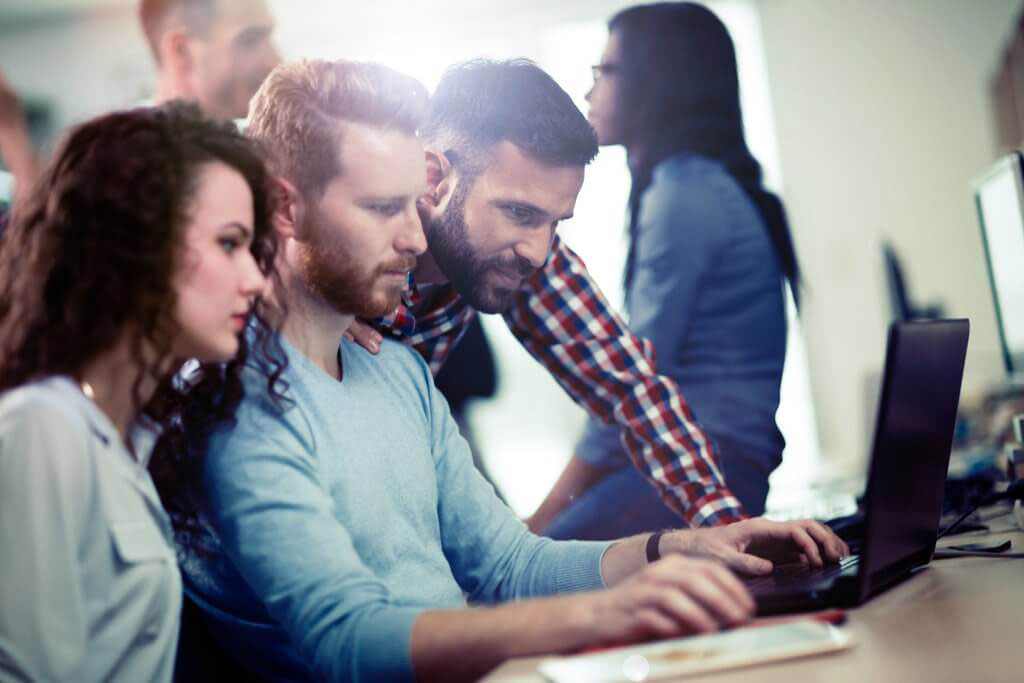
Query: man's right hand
(672, 597)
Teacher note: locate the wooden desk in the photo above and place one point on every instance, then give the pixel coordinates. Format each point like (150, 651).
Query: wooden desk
(959, 620)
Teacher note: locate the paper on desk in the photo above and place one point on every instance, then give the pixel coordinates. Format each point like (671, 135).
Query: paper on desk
(699, 654)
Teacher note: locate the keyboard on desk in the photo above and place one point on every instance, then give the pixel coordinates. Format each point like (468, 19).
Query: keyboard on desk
(797, 576)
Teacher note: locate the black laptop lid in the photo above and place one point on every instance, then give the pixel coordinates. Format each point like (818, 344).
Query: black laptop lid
(917, 410)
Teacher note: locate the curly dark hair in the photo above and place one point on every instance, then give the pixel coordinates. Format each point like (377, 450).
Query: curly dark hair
(91, 256)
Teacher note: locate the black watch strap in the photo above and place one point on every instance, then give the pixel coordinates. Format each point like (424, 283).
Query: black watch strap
(653, 554)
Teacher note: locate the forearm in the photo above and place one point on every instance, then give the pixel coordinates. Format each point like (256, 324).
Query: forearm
(576, 478)
(563, 320)
(18, 154)
(670, 598)
(624, 558)
(463, 645)
(16, 148)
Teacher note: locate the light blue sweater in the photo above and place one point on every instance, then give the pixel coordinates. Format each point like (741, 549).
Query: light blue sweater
(345, 517)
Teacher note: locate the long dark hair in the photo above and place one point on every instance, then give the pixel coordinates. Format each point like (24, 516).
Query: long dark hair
(92, 254)
(681, 93)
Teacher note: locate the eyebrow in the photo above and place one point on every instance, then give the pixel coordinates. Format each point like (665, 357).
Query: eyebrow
(370, 198)
(246, 232)
(253, 32)
(498, 203)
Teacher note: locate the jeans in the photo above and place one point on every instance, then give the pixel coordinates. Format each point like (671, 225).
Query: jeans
(624, 502)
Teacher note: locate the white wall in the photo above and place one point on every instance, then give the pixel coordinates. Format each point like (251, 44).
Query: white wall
(883, 120)
(85, 64)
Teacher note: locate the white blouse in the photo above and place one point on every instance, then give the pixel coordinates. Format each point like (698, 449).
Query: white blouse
(89, 583)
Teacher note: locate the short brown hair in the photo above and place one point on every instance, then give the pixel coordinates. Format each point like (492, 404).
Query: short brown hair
(297, 113)
(154, 17)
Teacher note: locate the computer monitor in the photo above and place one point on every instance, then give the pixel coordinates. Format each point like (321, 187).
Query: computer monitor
(903, 307)
(999, 197)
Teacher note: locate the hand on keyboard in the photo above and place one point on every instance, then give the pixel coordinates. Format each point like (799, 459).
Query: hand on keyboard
(754, 546)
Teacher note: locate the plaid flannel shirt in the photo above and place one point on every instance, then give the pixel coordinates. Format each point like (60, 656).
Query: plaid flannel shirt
(564, 321)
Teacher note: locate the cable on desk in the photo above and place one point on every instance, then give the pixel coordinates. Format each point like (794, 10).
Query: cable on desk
(948, 554)
(1014, 491)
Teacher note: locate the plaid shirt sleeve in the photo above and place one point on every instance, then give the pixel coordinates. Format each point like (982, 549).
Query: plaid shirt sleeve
(433, 334)
(563, 320)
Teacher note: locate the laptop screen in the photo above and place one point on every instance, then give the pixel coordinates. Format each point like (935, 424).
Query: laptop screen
(914, 433)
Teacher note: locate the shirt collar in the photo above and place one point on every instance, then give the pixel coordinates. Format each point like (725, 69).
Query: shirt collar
(142, 435)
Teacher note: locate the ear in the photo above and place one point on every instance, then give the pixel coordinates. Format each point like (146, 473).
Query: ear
(176, 53)
(440, 177)
(288, 208)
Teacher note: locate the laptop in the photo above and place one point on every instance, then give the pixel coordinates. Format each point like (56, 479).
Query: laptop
(924, 363)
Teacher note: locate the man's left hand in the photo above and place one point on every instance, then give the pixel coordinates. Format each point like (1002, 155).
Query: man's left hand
(754, 546)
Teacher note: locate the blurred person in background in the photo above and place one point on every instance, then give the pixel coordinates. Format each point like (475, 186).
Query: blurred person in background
(146, 242)
(214, 52)
(709, 255)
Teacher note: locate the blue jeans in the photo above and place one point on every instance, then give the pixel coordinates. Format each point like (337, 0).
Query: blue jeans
(624, 503)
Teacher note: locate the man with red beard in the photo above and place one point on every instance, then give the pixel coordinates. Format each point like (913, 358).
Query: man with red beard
(351, 528)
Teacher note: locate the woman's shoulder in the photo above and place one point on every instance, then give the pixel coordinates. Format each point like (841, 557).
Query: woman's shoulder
(698, 174)
(49, 402)
(45, 429)
(691, 190)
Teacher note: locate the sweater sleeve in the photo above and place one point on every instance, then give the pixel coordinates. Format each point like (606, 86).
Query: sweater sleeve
(493, 556)
(276, 523)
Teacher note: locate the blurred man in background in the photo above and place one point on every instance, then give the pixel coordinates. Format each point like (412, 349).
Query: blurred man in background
(216, 52)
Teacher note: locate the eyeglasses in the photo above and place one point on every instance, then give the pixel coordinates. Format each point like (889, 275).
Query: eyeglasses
(600, 71)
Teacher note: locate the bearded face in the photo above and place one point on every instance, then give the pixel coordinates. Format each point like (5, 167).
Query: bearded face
(331, 270)
(488, 284)
(359, 235)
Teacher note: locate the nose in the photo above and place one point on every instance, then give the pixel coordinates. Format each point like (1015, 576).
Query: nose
(534, 247)
(410, 238)
(590, 93)
(252, 282)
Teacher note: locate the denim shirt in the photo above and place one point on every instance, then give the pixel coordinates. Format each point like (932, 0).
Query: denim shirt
(707, 291)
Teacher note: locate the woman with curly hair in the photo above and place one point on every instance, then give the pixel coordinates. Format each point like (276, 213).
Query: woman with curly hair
(147, 242)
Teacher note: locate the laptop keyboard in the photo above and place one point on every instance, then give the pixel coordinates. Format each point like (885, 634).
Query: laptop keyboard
(797, 575)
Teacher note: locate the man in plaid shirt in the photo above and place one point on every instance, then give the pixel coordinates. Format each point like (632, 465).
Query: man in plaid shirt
(500, 179)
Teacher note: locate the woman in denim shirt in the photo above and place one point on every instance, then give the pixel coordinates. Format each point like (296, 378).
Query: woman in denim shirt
(710, 250)
(146, 243)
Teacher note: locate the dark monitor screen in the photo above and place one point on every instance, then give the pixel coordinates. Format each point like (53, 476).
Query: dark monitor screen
(999, 197)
